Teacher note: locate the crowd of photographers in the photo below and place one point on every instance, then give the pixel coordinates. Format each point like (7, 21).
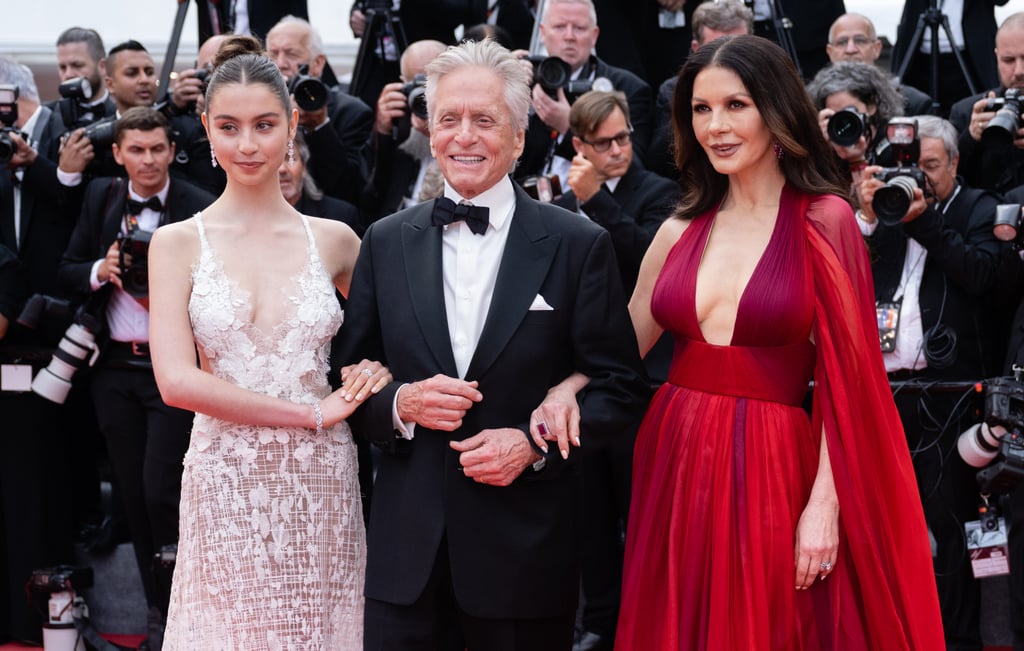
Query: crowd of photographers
(94, 173)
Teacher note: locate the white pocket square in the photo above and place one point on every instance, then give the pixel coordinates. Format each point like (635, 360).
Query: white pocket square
(540, 305)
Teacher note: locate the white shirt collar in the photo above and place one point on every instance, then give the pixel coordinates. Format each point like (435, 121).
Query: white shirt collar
(132, 194)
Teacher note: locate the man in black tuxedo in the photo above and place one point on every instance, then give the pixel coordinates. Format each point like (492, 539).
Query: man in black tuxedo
(146, 439)
(474, 530)
(80, 53)
(35, 489)
(936, 270)
(337, 132)
(569, 31)
(611, 189)
(994, 165)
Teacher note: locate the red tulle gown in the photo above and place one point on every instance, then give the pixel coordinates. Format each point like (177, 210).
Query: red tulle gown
(726, 457)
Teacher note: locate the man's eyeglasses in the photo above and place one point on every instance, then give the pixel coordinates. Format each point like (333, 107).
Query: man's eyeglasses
(859, 41)
(603, 144)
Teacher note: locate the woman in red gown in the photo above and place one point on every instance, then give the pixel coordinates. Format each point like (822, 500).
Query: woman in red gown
(752, 525)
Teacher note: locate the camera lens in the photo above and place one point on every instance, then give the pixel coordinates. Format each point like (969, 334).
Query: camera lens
(418, 102)
(7, 148)
(892, 201)
(552, 73)
(1002, 128)
(310, 94)
(845, 127)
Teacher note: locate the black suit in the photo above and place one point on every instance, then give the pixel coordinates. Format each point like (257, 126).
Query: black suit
(811, 20)
(37, 447)
(512, 550)
(146, 439)
(331, 208)
(263, 14)
(336, 149)
(988, 166)
(959, 275)
(539, 142)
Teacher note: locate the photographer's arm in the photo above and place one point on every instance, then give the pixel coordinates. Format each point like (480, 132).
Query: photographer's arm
(172, 345)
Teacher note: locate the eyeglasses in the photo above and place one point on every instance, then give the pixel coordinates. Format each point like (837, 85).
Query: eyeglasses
(858, 41)
(602, 145)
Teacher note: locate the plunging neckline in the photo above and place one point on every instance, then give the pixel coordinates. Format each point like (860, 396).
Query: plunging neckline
(712, 219)
(241, 297)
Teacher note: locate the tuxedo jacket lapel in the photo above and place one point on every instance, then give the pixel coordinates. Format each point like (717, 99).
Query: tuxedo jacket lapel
(528, 253)
(421, 246)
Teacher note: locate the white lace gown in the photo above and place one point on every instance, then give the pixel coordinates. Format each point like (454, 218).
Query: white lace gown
(272, 551)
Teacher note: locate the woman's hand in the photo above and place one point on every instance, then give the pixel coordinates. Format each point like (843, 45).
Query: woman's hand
(817, 542)
(558, 417)
(357, 379)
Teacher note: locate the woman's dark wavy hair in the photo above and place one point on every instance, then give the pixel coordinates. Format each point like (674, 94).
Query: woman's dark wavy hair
(779, 95)
(242, 60)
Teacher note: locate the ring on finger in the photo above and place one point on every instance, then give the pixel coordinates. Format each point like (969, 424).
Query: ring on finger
(542, 428)
(825, 566)
(367, 372)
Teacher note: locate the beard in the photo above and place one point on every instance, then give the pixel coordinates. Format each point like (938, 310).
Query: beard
(417, 145)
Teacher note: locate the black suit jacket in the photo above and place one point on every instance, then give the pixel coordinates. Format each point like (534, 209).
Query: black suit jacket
(979, 25)
(263, 14)
(336, 149)
(100, 222)
(641, 107)
(513, 550)
(959, 276)
(45, 223)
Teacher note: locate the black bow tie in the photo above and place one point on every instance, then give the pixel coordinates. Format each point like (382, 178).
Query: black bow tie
(153, 203)
(447, 211)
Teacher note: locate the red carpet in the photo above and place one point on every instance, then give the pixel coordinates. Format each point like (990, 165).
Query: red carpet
(128, 641)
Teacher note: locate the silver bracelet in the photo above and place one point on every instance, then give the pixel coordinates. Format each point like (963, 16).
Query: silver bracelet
(319, 418)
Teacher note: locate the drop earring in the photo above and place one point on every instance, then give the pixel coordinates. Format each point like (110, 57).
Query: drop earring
(779, 152)
(213, 157)
(291, 152)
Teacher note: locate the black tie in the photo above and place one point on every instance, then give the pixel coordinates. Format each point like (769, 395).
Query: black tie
(447, 211)
(153, 203)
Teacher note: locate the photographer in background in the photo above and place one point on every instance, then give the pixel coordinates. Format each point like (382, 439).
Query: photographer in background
(852, 37)
(865, 101)
(569, 31)
(337, 130)
(991, 159)
(399, 165)
(934, 272)
(80, 54)
(614, 191)
(146, 439)
(36, 516)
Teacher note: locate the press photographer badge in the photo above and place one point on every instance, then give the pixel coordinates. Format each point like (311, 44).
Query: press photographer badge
(888, 324)
(987, 544)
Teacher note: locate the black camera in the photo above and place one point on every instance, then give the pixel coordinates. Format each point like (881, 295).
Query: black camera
(846, 127)
(553, 73)
(133, 259)
(74, 111)
(76, 350)
(310, 93)
(8, 116)
(1002, 128)
(54, 593)
(892, 201)
(415, 92)
(1000, 435)
(101, 133)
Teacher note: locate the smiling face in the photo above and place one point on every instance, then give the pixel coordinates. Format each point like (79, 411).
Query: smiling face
(728, 125)
(472, 134)
(249, 132)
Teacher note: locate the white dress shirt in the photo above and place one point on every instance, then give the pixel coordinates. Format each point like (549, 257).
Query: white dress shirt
(127, 318)
(469, 272)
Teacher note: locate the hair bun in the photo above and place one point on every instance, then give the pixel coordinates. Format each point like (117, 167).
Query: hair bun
(237, 46)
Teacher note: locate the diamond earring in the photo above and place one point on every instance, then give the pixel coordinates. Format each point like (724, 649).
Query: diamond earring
(213, 156)
(291, 152)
